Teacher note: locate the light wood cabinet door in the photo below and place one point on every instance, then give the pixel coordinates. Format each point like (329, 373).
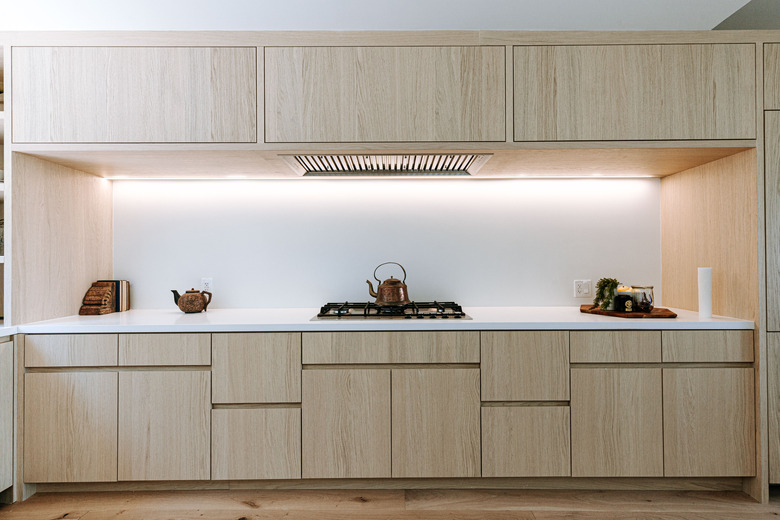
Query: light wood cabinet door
(385, 94)
(631, 92)
(771, 76)
(134, 94)
(346, 423)
(616, 428)
(164, 425)
(6, 414)
(70, 427)
(256, 368)
(70, 350)
(773, 404)
(772, 194)
(525, 366)
(526, 441)
(708, 346)
(436, 423)
(709, 422)
(615, 346)
(262, 443)
(164, 349)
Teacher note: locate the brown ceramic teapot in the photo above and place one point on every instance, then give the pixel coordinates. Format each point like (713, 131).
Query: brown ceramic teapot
(192, 300)
(390, 292)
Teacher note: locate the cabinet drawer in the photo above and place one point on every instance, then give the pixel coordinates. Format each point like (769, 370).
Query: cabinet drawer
(70, 350)
(525, 366)
(390, 347)
(164, 349)
(616, 346)
(708, 346)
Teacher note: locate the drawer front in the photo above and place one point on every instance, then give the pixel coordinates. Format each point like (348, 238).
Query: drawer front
(708, 346)
(70, 350)
(390, 347)
(525, 366)
(164, 349)
(616, 346)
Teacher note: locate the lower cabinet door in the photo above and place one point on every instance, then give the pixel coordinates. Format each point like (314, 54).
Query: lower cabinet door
(709, 422)
(436, 415)
(616, 428)
(346, 423)
(70, 427)
(6, 414)
(164, 425)
(526, 441)
(258, 443)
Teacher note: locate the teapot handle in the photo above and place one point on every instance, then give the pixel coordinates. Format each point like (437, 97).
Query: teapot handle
(209, 300)
(396, 263)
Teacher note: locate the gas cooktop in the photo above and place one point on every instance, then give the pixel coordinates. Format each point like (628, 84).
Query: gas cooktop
(409, 311)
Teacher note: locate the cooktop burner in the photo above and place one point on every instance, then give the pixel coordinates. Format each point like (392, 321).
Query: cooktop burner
(413, 310)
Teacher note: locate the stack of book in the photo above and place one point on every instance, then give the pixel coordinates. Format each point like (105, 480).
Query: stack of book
(122, 292)
(106, 296)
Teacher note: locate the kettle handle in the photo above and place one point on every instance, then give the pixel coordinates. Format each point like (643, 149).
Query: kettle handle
(396, 263)
(209, 301)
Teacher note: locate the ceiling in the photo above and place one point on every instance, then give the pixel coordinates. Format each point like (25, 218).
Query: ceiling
(388, 15)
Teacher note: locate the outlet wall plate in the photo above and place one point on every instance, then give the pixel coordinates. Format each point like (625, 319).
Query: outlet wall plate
(583, 289)
(206, 284)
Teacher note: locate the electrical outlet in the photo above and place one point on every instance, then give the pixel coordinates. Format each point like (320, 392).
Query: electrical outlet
(206, 284)
(582, 289)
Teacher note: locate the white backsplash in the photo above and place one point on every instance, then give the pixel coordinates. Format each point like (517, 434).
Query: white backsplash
(301, 243)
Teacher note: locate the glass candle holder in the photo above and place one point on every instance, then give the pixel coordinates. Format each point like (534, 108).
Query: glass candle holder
(643, 297)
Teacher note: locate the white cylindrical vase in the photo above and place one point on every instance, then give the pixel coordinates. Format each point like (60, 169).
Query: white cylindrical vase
(705, 292)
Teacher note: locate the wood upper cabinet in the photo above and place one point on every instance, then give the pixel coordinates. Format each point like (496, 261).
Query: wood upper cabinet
(772, 194)
(256, 368)
(134, 94)
(385, 94)
(164, 425)
(70, 427)
(634, 92)
(525, 366)
(6, 414)
(771, 76)
(709, 422)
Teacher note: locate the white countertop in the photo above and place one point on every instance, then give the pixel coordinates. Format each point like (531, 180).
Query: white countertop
(263, 320)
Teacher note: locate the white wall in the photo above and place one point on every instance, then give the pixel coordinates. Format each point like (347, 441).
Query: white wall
(302, 243)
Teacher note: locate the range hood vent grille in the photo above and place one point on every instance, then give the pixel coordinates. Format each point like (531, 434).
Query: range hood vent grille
(386, 164)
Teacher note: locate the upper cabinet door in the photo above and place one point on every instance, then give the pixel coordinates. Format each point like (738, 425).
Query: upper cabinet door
(385, 94)
(634, 92)
(134, 95)
(771, 76)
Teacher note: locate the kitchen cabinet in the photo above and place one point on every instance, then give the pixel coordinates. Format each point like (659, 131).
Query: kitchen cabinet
(708, 346)
(771, 76)
(134, 94)
(164, 425)
(772, 187)
(256, 368)
(385, 94)
(70, 427)
(525, 366)
(616, 428)
(164, 349)
(255, 443)
(634, 92)
(709, 422)
(6, 414)
(346, 423)
(70, 350)
(611, 346)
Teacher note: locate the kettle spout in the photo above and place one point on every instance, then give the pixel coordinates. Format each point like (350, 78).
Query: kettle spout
(371, 291)
(175, 296)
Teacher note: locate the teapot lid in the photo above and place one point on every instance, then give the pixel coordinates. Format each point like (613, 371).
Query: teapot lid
(193, 291)
(392, 281)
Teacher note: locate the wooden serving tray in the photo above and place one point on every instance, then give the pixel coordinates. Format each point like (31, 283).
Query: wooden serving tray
(657, 312)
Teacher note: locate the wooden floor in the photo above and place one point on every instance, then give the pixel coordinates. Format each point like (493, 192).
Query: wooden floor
(393, 504)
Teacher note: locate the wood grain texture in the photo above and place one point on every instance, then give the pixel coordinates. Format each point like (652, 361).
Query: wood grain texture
(346, 424)
(59, 215)
(436, 423)
(6, 414)
(164, 349)
(256, 444)
(134, 94)
(525, 366)
(612, 346)
(772, 198)
(364, 94)
(70, 427)
(526, 441)
(616, 428)
(256, 368)
(773, 405)
(709, 422)
(626, 92)
(164, 425)
(390, 347)
(70, 350)
(708, 346)
(771, 76)
(709, 219)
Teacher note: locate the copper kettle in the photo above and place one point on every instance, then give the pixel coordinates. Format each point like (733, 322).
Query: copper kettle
(390, 292)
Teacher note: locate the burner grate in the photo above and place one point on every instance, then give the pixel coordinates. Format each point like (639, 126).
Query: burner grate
(412, 310)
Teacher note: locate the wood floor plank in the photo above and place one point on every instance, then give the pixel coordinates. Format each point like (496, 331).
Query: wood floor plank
(310, 515)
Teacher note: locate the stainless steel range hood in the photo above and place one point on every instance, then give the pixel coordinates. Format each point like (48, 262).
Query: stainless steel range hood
(369, 165)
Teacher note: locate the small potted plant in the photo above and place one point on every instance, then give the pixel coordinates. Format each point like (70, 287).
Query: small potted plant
(605, 293)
